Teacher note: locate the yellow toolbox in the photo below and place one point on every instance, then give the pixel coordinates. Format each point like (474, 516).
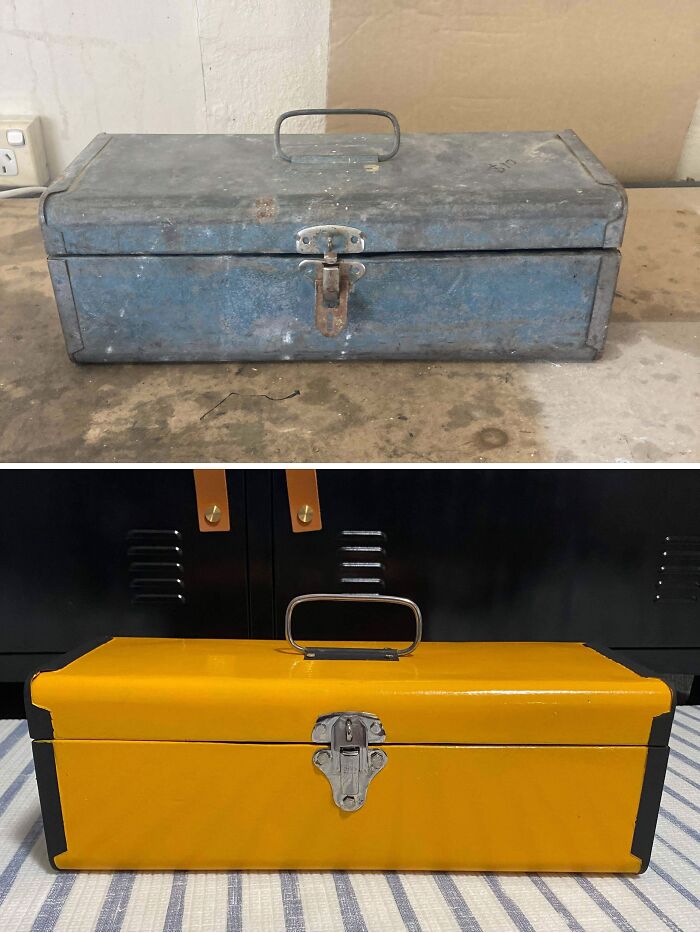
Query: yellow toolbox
(167, 753)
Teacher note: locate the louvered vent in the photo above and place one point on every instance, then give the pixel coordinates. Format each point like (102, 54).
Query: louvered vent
(156, 570)
(679, 570)
(362, 561)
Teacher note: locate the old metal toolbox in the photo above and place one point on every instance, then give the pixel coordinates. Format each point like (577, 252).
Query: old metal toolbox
(456, 246)
(213, 754)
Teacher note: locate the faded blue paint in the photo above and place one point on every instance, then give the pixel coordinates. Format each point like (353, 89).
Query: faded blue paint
(450, 306)
(491, 191)
(389, 238)
(478, 245)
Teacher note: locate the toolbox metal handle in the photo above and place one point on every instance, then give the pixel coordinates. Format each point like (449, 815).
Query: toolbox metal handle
(381, 156)
(350, 654)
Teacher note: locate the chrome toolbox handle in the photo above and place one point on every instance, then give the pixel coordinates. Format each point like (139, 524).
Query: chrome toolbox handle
(352, 654)
(380, 157)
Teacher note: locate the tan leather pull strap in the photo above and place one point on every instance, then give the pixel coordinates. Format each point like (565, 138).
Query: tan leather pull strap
(212, 500)
(304, 507)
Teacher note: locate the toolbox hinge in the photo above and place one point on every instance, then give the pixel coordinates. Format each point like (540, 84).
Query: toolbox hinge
(332, 277)
(348, 762)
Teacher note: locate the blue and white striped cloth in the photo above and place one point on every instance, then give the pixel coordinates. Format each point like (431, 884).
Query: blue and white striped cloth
(33, 897)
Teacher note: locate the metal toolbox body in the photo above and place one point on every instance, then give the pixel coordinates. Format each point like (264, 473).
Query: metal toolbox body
(224, 754)
(459, 246)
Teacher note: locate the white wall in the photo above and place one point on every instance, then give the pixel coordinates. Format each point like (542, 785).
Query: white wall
(260, 58)
(160, 66)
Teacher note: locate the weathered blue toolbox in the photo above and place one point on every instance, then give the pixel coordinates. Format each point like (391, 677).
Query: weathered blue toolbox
(213, 247)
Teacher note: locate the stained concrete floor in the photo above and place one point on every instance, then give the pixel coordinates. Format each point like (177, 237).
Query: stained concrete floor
(639, 403)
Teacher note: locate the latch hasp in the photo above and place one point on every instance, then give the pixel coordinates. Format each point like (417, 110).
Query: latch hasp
(349, 762)
(333, 278)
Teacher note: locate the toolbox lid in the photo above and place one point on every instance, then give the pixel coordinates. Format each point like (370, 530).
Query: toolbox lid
(206, 193)
(493, 693)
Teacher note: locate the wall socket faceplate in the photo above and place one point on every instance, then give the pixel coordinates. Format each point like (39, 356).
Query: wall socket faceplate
(8, 163)
(22, 155)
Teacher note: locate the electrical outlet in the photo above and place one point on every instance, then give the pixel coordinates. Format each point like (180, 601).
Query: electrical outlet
(8, 162)
(22, 155)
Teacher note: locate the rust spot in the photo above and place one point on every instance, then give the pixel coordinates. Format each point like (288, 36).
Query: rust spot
(265, 209)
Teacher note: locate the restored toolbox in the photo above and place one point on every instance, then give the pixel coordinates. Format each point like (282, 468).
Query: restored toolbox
(223, 754)
(451, 246)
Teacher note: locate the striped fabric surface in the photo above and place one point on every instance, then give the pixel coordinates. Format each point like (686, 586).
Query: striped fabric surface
(33, 897)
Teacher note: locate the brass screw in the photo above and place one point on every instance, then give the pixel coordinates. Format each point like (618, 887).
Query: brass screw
(213, 514)
(305, 514)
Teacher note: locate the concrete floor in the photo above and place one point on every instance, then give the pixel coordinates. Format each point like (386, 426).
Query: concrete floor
(639, 403)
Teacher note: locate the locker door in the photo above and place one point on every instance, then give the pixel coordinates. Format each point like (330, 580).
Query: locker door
(85, 553)
(490, 555)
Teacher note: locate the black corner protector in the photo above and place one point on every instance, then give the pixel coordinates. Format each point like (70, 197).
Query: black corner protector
(660, 725)
(649, 802)
(49, 799)
(660, 731)
(39, 719)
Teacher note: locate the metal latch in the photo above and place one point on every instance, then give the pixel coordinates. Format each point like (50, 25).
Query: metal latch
(333, 278)
(349, 763)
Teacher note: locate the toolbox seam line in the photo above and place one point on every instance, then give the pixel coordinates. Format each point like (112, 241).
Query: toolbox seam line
(384, 745)
(395, 255)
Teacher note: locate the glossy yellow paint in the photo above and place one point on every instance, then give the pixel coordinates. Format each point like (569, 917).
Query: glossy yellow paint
(169, 805)
(195, 754)
(263, 691)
